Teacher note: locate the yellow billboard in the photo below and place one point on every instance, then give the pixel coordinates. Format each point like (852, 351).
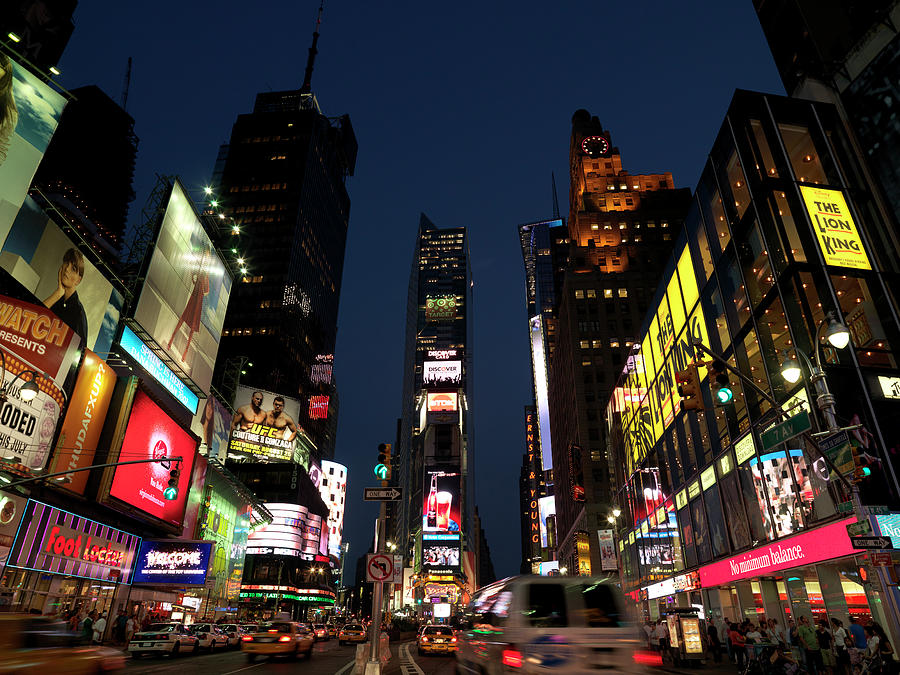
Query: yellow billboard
(836, 232)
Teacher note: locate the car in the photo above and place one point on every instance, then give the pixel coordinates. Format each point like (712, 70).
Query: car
(163, 638)
(42, 644)
(233, 632)
(319, 631)
(535, 623)
(332, 630)
(279, 638)
(436, 639)
(210, 636)
(352, 632)
(250, 627)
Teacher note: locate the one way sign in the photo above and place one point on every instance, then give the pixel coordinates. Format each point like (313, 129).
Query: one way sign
(390, 494)
(871, 542)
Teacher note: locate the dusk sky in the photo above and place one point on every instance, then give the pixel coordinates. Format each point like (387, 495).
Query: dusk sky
(461, 111)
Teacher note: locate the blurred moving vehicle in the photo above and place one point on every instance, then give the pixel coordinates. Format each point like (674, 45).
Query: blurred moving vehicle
(211, 636)
(352, 632)
(40, 644)
(320, 632)
(332, 630)
(163, 638)
(233, 632)
(436, 639)
(533, 624)
(279, 638)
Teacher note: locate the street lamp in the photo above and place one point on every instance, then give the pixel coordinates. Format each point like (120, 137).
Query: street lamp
(563, 570)
(610, 519)
(617, 512)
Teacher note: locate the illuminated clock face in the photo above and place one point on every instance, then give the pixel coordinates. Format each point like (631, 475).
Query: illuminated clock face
(595, 146)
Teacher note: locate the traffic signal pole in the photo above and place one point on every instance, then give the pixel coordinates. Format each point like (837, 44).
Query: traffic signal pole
(373, 665)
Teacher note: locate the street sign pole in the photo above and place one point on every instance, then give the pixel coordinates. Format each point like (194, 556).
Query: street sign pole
(373, 665)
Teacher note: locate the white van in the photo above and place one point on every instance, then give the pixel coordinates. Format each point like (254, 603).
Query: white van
(534, 624)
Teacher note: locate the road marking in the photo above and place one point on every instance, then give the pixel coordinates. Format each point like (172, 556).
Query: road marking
(346, 668)
(255, 665)
(408, 665)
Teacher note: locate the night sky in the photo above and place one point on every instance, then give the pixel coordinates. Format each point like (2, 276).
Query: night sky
(461, 110)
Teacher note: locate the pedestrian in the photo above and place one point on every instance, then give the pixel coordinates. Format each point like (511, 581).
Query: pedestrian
(715, 645)
(858, 633)
(129, 629)
(648, 632)
(793, 636)
(100, 629)
(776, 631)
(810, 644)
(841, 647)
(738, 645)
(87, 627)
(119, 628)
(826, 646)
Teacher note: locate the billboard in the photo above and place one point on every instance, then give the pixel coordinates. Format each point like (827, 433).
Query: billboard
(547, 508)
(333, 489)
(151, 433)
(60, 542)
(264, 426)
(320, 372)
(27, 122)
(442, 402)
(442, 372)
(172, 561)
(294, 531)
(443, 354)
(608, 560)
(43, 259)
(440, 308)
(441, 557)
(318, 407)
(213, 425)
(32, 339)
(441, 508)
(185, 294)
(81, 427)
(838, 237)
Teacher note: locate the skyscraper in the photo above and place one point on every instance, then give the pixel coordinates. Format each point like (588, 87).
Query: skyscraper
(434, 523)
(620, 229)
(286, 211)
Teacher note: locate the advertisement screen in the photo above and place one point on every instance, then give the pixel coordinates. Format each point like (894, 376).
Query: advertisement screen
(151, 433)
(32, 339)
(440, 308)
(183, 301)
(59, 542)
(440, 556)
(45, 261)
(84, 420)
(333, 489)
(213, 425)
(441, 510)
(547, 508)
(549, 568)
(318, 407)
(444, 354)
(264, 427)
(26, 127)
(442, 372)
(293, 531)
(172, 562)
(443, 402)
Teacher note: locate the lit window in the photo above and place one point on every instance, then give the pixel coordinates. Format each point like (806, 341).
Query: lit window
(614, 342)
(623, 292)
(597, 344)
(579, 295)
(585, 362)
(591, 293)
(607, 293)
(664, 224)
(595, 227)
(622, 226)
(585, 344)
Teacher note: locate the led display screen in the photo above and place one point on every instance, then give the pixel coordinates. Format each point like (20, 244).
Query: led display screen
(836, 232)
(442, 372)
(333, 489)
(441, 556)
(318, 407)
(183, 300)
(441, 509)
(152, 434)
(547, 507)
(26, 127)
(293, 531)
(440, 308)
(442, 402)
(212, 424)
(264, 427)
(172, 562)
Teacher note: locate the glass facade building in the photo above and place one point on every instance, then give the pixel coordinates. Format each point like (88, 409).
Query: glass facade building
(782, 231)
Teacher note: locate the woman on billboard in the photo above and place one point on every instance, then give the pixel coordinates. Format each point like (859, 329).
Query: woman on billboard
(9, 115)
(193, 310)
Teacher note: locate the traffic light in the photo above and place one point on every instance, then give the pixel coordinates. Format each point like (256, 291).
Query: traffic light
(171, 491)
(861, 469)
(383, 468)
(689, 388)
(718, 383)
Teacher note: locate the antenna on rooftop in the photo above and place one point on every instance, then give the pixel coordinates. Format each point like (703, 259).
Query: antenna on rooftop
(555, 197)
(311, 59)
(126, 86)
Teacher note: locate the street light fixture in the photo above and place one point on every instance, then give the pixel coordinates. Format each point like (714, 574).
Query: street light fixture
(617, 512)
(610, 519)
(790, 369)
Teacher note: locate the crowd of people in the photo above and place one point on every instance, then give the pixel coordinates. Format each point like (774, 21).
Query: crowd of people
(92, 626)
(818, 647)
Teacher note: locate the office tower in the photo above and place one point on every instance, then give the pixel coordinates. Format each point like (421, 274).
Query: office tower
(40, 29)
(88, 169)
(847, 54)
(285, 207)
(435, 435)
(545, 249)
(620, 229)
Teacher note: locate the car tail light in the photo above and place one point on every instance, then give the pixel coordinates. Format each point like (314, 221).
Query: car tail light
(424, 639)
(512, 658)
(284, 638)
(648, 658)
(273, 630)
(453, 639)
(247, 638)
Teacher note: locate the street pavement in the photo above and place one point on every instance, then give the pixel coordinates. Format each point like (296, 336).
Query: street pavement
(328, 658)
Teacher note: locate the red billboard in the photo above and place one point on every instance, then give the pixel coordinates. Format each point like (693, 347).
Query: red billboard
(151, 433)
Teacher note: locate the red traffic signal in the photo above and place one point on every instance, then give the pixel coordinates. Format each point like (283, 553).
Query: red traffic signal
(688, 381)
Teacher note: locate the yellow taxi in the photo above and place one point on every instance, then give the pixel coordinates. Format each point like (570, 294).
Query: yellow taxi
(436, 640)
(40, 644)
(352, 632)
(279, 638)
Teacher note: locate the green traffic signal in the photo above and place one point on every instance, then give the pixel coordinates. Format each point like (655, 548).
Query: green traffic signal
(866, 471)
(724, 395)
(381, 472)
(170, 493)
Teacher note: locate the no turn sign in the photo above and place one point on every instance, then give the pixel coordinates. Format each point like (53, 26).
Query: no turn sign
(379, 567)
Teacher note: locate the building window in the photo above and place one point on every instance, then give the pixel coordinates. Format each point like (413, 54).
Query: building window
(597, 344)
(591, 293)
(607, 293)
(585, 344)
(579, 295)
(623, 292)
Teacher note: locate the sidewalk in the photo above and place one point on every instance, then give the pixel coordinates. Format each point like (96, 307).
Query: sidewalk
(709, 668)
